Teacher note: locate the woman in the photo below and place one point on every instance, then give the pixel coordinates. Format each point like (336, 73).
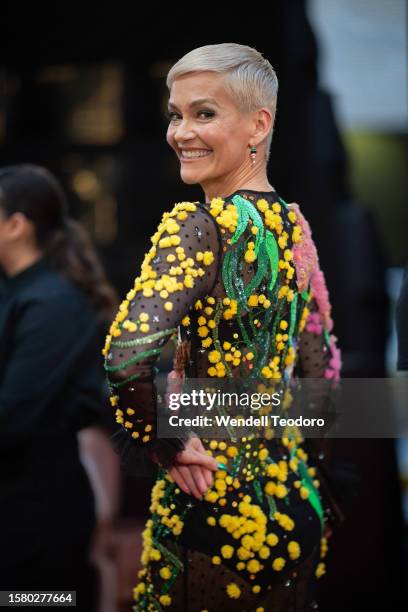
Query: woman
(51, 385)
(234, 525)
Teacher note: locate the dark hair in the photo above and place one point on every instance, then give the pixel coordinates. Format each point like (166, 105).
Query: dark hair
(35, 192)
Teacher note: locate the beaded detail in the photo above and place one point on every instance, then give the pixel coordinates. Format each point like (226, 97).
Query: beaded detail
(236, 283)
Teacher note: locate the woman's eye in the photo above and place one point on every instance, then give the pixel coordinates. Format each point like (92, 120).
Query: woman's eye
(171, 115)
(208, 114)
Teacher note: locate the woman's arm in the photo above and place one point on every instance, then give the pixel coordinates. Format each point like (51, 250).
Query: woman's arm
(102, 468)
(180, 268)
(319, 359)
(319, 356)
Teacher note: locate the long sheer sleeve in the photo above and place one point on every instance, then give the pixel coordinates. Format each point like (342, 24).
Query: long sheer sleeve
(320, 358)
(179, 269)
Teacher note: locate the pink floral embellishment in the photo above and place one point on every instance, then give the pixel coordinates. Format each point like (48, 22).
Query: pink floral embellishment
(308, 269)
(334, 368)
(304, 252)
(321, 295)
(314, 323)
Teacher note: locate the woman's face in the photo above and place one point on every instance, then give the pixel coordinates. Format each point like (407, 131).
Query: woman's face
(15, 231)
(206, 122)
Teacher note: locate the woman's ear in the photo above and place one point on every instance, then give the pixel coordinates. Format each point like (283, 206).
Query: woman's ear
(19, 226)
(263, 123)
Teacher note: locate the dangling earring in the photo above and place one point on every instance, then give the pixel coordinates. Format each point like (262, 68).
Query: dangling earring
(252, 154)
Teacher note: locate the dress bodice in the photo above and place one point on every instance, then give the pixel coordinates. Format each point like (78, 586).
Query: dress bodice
(239, 279)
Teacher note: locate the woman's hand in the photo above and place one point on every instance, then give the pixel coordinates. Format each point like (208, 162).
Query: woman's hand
(193, 469)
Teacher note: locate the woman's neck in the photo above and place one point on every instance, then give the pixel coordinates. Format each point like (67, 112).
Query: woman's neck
(221, 191)
(18, 263)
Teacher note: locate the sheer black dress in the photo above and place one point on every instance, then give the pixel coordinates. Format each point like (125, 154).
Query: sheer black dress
(237, 282)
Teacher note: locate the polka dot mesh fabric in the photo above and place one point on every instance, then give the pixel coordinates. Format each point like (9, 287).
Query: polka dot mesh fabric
(236, 282)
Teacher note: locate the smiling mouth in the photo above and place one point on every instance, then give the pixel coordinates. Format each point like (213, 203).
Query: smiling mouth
(193, 156)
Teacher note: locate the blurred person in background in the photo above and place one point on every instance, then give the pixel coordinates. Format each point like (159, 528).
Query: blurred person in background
(402, 324)
(54, 302)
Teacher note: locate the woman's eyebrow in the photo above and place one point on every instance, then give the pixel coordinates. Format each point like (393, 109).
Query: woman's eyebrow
(197, 102)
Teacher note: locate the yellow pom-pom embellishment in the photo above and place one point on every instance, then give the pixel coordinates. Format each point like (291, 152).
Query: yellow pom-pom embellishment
(208, 258)
(227, 551)
(233, 590)
(278, 564)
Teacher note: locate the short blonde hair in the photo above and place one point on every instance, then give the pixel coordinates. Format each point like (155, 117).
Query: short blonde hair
(250, 79)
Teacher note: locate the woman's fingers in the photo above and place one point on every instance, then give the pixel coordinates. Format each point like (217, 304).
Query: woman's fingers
(192, 456)
(205, 479)
(195, 443)
(192, 479)
(197, 473)
(187, 473)
(194, 469)
(179, 480)
(208, 477)
(199, 447)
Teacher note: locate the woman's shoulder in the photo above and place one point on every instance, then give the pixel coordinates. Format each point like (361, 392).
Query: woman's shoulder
(188, 226)
(177, 214)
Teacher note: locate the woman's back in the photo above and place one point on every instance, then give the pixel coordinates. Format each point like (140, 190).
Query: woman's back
(240, 278)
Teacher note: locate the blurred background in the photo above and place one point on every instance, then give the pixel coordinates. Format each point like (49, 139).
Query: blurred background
(82, 92)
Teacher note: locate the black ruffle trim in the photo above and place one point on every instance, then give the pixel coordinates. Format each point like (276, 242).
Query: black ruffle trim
(136, 460)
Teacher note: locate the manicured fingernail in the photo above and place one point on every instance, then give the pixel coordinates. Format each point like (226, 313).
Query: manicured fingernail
(222, 466)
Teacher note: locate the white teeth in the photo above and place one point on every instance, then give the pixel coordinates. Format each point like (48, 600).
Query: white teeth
(193, 154)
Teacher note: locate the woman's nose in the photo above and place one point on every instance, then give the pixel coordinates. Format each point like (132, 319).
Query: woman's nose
(183, 132)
